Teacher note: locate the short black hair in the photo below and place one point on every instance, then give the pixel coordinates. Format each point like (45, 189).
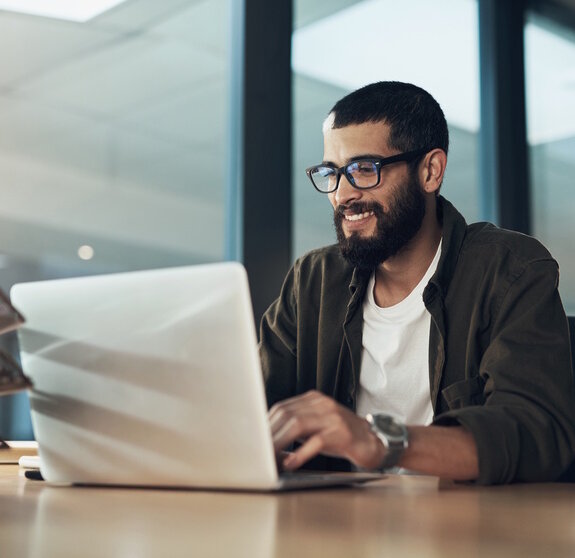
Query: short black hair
(414, 117)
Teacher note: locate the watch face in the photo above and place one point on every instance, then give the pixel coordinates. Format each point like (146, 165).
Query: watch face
(389, 426)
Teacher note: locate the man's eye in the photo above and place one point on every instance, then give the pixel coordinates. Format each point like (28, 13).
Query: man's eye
(364, 168)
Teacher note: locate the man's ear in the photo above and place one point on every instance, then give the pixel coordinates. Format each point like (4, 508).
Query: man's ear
(432, 170)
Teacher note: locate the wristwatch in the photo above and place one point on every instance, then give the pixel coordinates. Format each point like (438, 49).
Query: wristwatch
(393, 436)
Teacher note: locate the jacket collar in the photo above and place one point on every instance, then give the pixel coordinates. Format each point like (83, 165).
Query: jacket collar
(453, 234)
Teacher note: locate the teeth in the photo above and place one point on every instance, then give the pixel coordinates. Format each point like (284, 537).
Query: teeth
(358, 216)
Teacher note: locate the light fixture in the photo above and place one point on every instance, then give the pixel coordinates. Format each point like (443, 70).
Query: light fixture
(71, 10)
(85, 252)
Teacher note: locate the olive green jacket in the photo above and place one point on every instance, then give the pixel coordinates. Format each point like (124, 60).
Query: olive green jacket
(499, 355)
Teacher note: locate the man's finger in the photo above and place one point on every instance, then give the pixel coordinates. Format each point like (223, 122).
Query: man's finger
(312, 447)
(283, 413)
(298, 427)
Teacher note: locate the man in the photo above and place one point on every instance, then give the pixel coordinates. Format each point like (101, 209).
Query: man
(451, 339)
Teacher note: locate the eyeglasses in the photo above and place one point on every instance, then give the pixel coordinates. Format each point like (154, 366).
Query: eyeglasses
(362, 174)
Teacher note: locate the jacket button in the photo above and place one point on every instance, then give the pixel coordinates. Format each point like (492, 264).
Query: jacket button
(349, 401)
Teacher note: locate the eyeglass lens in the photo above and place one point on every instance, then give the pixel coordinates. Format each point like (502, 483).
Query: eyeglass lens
(362, 174)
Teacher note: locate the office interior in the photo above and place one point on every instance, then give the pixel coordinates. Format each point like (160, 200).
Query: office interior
(158, 134)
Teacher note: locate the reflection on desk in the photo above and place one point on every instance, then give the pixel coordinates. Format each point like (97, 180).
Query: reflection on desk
(400, 516)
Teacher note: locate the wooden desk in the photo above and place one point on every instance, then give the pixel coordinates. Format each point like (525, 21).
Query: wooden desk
(399, 517)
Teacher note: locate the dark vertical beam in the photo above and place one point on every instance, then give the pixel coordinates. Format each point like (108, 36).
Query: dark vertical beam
(503, 144)
(265, 151)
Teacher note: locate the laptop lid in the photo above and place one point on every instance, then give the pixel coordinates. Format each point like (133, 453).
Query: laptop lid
(147, 378)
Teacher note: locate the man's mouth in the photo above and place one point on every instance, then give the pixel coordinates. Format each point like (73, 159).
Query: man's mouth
(358, 216)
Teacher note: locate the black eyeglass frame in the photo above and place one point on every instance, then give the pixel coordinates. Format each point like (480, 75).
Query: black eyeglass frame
(379, 163)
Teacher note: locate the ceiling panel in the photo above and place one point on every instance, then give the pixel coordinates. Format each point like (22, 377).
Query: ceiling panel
(125, 76)
(189, 115)
(72, 201)
(142, 14)
(188, 26)
(56, 137)
(31, 46)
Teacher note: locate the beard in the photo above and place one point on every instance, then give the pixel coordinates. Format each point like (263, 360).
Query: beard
(394, 227)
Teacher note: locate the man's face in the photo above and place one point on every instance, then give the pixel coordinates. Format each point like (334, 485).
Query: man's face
(372, 225)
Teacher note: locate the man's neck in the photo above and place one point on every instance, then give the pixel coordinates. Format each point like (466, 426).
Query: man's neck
(396, 278)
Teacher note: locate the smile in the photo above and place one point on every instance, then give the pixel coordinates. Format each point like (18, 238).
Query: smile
(358, 216)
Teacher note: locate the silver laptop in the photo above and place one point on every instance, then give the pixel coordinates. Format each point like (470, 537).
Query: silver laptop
(151, 378)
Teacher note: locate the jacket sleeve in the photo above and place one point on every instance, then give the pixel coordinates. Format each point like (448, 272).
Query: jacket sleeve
(278, 342)
(525, 430)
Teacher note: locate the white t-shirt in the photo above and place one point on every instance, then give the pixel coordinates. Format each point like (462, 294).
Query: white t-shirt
(394, 376)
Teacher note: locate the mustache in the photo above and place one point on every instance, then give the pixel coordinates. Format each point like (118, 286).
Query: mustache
(359, 207)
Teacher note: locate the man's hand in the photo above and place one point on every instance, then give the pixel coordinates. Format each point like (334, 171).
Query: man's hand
(323, 426)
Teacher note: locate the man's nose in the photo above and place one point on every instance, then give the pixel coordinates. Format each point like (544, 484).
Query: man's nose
(345, 191)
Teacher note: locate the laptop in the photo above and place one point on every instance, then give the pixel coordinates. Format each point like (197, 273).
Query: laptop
(151, 378)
